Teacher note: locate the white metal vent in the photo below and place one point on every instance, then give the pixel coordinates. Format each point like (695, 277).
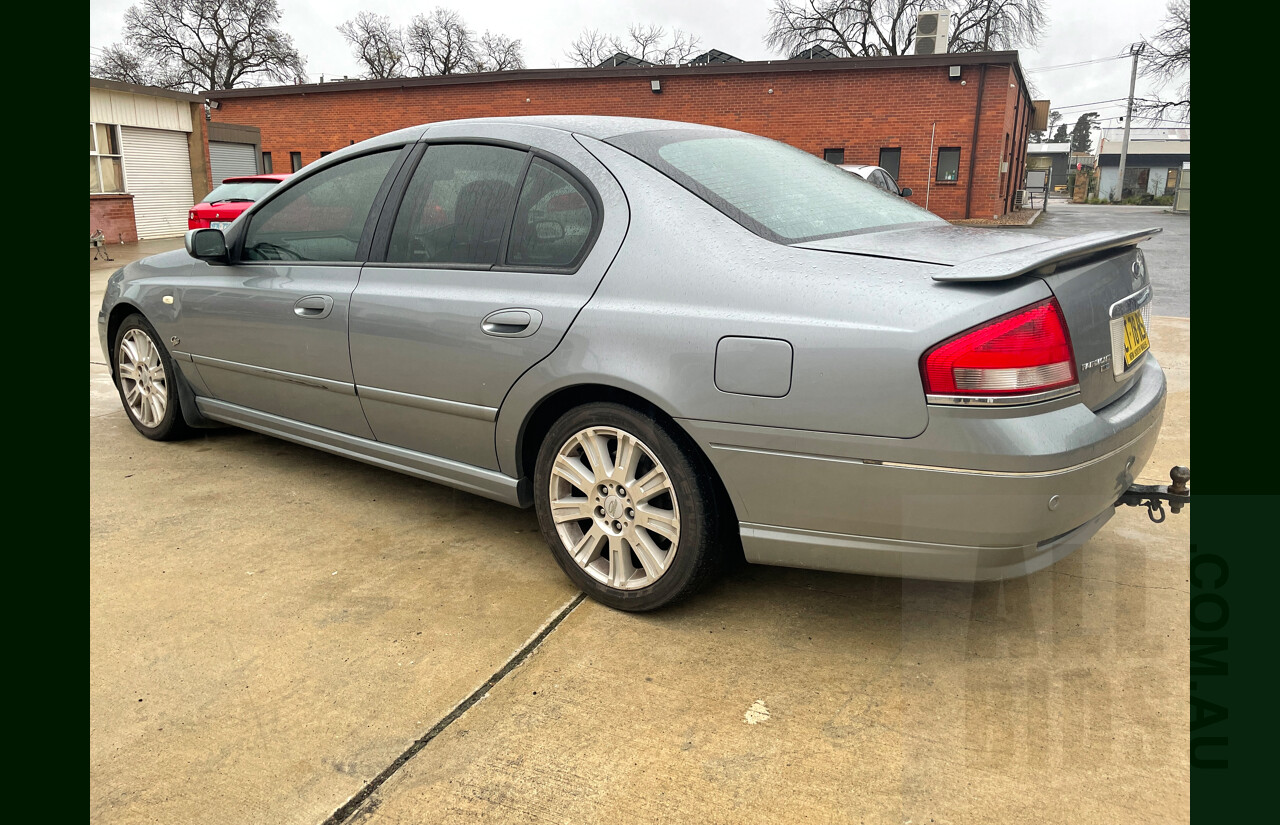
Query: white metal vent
(932, 30)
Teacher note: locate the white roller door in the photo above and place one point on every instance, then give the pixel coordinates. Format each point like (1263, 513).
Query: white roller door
(157, 172)
(232, 160)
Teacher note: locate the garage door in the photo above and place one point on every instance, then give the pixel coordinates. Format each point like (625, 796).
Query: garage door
(157, 172)
(232, 160)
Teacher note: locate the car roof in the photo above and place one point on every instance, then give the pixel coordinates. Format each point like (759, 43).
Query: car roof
(251, 178)
(858, 167)
(595, 126)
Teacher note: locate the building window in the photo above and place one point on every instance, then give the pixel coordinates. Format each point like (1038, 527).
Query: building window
(1171, 182)
(266, 163)
(106, 167)
(949, 164)
(833, 155)
(322, 154)
(295, 160)
(889, 161)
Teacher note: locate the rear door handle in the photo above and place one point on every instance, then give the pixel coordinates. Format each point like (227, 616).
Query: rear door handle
(313, 306)
(512, 323)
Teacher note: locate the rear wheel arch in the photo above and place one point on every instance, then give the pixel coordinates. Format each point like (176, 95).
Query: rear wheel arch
(549, 410)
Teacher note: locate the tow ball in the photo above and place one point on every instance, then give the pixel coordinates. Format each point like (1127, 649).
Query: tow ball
(1153, 496)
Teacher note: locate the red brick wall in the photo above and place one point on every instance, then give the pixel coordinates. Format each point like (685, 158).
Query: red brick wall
(858, 110)
(113, 214)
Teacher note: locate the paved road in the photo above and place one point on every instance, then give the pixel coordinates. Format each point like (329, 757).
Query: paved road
(273, 628)
(1168, 254)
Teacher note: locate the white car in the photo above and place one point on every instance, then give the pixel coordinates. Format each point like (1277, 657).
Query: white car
(879, 177)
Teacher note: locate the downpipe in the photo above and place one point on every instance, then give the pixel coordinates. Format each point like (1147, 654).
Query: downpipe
(1153, 496)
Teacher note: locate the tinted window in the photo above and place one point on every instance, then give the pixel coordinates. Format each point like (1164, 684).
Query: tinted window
(890, 159)
(322, 217)
(948, 164)
(553, 219)
(774, 190)
(457, 206)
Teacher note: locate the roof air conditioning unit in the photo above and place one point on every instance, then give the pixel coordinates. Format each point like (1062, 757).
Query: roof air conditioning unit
(932, 30)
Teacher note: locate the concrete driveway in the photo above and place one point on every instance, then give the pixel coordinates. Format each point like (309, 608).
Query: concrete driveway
(282, 636)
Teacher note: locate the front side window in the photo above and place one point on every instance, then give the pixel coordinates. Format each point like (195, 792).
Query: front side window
(890, 160)
(106, 166)
(457, 206)
(553, 219)
(322, 217)
(770, 188)
(949, 164)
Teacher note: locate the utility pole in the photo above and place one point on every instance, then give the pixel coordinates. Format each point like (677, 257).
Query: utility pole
(1135, 50)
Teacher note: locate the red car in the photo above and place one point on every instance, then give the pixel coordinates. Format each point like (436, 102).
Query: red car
(228, 199)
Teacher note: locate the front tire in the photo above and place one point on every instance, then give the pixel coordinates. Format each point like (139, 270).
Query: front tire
(628, 507)
(147, 381)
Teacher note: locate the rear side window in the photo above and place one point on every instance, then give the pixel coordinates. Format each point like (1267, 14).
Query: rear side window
(553, 219)
(772, 189)
(321, 218)
(457, 206)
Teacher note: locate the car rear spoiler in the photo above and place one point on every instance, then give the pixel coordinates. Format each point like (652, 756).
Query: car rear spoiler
(1042, 258)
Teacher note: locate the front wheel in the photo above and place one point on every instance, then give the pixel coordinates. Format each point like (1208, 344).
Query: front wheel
(630, 513)
(147, 381)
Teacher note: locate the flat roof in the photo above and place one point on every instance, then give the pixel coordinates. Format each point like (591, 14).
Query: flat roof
(788, 66)
(149, 91)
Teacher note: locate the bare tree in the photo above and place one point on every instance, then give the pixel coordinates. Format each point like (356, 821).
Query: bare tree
(848, 28)
(590, 48)
(646, 42)
(871, 28)
(201, 44)
(377, 43)
(127, 65)
(987, 25)
(497, 53)
(439, 43)
(1166, 57)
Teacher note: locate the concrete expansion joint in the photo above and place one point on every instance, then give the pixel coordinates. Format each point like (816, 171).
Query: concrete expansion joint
(353, 805)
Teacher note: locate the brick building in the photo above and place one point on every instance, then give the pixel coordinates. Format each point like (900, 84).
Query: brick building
(959, 121)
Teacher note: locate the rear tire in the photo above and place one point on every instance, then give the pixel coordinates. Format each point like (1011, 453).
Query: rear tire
(147, 381)
(627, 506)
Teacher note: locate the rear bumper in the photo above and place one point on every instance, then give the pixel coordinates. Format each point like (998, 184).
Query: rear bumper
(789, 547)
(981, 494)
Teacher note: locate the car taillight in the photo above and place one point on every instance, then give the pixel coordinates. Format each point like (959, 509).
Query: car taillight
(1027, 351)
(191, 216)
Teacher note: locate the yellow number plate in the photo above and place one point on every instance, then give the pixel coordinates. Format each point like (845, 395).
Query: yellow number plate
(1135, 337)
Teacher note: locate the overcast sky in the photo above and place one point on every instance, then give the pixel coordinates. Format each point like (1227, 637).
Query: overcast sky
(1078, 30)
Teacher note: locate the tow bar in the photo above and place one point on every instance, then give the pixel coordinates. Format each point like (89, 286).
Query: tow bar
(1153, 496)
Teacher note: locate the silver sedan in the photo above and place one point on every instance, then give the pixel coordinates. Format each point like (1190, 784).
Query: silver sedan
(675, 342)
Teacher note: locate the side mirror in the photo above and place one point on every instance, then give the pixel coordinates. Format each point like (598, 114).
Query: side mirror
(905, 191)
(206, 244)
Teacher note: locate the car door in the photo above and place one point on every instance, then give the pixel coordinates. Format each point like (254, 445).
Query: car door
(269, 330)
(501, 237)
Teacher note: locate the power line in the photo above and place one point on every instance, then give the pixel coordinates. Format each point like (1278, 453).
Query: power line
(1080, 63)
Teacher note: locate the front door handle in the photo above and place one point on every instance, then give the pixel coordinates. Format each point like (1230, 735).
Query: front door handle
(512, 323)
(313, 306)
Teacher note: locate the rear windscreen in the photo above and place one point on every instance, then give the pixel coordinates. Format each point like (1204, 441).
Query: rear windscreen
(775, 190)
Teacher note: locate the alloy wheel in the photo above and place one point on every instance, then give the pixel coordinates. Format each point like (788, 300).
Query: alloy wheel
(614, 508)
(143, 382)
